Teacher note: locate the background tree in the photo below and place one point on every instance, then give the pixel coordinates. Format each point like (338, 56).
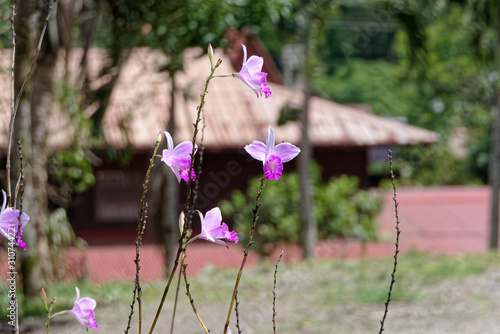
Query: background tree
(31, 127)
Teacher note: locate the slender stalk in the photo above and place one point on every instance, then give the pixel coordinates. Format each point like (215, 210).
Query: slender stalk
(190, 199)
(245, 252)
(188, 292)
(236, 312)
(175, 302)
(199, 170)
(15, 99)
(396, 251)
(20, 185)
(137, 294)
(274, 292)
(12, 100)
(189, 213)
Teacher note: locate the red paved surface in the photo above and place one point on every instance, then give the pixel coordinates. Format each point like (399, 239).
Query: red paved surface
(437, 220)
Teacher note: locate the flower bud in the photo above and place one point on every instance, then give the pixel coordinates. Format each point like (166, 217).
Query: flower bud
(181, 222)
(211, 54)
(43, 297)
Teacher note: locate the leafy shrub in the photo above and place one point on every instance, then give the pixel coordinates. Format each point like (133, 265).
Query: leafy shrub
(341, 210)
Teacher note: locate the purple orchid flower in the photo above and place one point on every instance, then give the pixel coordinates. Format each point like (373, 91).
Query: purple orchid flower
(9, 221)
(179, 158)
(272, 156)
(251, 74)
(212, 228)
(83, 311)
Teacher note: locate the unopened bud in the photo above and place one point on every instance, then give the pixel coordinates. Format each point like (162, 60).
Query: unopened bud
(211, 54)
(43, 297)
(181, 222)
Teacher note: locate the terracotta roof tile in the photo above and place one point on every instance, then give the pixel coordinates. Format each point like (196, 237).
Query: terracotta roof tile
(139, 108)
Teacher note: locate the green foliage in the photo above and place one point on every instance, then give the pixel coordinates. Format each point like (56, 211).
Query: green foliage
(71, 170)
(5, 14)
(341, 210)
(434, 165)
(455, 89)
(324, 283)
(61, 236)
(175, 25)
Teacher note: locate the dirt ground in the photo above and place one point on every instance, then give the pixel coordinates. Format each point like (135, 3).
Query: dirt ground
(468, 306)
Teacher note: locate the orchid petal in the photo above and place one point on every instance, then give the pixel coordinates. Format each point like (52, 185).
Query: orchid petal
(202, 219)
(219, 242)
(4, 203)
(183, 150)
(273, 168)
(77, 294)
(247, 79)
(257, 150)
(212, 228)
(213, 218)
(269, 141)
(286, 151)
(11, 217)
(87, 303)
(166, 157)
(83, 311)
(170, 141)
(254, 64)
(176, 173)
(244, 55)
(251, 74)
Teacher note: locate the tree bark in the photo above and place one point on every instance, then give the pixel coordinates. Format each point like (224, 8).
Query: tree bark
(32, 121)
(309, 229)
(170, 212)
(494, 176)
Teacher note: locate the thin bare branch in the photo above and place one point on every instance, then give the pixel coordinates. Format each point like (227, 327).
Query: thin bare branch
(245, 252)
(189, 199)
(236, 312)
(188, 292)
(274, 292)
(396, 251)
(143, 216)
(15, 99)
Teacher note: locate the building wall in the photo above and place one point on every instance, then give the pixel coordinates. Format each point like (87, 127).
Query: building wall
(108, 213)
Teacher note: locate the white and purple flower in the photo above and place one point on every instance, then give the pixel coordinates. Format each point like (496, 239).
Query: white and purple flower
(273, 157)
(9, 221)
(83, 311)
(214, 230)
(252, 76)
(179, 158)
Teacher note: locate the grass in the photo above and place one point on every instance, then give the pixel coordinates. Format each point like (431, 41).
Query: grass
(326, 282)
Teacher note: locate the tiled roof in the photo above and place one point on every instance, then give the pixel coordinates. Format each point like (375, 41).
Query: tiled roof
(139, 108)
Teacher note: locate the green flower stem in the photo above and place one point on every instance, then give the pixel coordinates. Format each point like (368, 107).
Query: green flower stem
(137, 294)
(175, 302)
(189, 198)
(225, 75)
(188, 293)
(193, 239)
(245, 253)
(49, 317)
(188, 219)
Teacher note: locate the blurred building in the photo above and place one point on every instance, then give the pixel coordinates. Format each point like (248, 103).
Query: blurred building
(138, 111)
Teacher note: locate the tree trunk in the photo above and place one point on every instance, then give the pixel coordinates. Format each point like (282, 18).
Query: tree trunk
(165, 197)
(309, 229)
(170, 213)
(37, 268)
(494, 176)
